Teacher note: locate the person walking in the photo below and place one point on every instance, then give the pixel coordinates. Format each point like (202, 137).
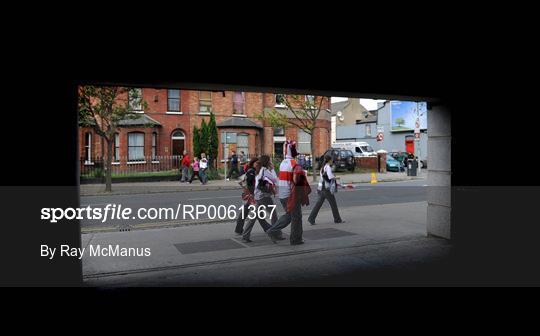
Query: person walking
(242, 160)
(186, 164)
(293, 193)
(326, 190)
(196, 168)
(203, 166)
(248, 185)
(234, 166)
(265, 186)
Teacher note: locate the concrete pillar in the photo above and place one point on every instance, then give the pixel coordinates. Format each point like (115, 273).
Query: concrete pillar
(439, 173)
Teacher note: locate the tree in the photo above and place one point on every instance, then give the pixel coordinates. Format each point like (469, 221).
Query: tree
(213, 141)
(103, 109)
(196, 141)
(204, 137)
(399, 121)
(300, 113)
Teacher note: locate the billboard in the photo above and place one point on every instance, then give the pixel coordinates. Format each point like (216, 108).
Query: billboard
(403, 115)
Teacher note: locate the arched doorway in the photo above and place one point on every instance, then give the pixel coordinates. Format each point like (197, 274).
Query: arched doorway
(178, 142)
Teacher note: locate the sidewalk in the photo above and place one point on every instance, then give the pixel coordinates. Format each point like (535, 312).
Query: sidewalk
(175, 186)
(181, 253)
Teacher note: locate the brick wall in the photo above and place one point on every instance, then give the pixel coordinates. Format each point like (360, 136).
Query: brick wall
(156, 99)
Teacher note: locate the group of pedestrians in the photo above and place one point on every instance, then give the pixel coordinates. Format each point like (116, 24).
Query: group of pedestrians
(199, 167)
(260, 183)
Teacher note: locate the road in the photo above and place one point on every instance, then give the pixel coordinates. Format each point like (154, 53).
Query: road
(362, 194)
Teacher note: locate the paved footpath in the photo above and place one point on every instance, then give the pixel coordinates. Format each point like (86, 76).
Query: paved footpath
(213, 255)
(174, 186)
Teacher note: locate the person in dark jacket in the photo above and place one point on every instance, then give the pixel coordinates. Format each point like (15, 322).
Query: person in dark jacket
(234, 166)
(247, 195)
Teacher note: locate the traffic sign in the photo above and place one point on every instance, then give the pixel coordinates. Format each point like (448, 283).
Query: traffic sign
(380, 133)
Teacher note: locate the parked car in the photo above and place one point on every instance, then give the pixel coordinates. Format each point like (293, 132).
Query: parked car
(359, 149)
(400, 156)
(342, 159)
(393, 165)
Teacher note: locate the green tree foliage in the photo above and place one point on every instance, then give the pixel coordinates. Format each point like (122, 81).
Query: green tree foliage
(104, 108)
(300, 112)
(196, 142)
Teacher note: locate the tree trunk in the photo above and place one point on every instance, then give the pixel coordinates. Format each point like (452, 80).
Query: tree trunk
(108, 166)
(313, 157)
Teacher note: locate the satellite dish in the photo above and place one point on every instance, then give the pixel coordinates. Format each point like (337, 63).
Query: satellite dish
(339, 114)
(341, 118)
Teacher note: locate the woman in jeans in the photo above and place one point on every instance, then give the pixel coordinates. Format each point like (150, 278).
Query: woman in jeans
(325, 191)
(265, 182)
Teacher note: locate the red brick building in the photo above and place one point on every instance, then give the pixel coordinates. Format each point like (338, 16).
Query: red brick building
(165, 127)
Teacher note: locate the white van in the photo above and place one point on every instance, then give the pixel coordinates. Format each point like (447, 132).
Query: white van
(359, 149)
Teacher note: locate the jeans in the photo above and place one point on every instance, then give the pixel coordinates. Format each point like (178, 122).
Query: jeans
(202, 175)
(294, 218)
(185, 174)
(240, 220)
(263, 202)
(325, 194)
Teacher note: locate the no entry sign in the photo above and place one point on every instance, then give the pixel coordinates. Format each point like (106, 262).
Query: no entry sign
(380, 133)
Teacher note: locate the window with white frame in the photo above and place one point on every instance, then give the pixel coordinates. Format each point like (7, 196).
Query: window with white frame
(173, 100)
(87, 147)
(279, 131)
(304, 142)
(154, 146)
(238, 102)
(368, 130)
(280, 100)
(116, 154)
(205, 101)
(310, 100)
(135, 100)
(242, 143)
(136, 146)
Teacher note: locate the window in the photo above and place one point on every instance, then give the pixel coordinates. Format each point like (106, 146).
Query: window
(304, 142)
(87, 147)
(173, 100)
(116, 153)
(279, 131)
(135, 146)
(205, 102)
(242, 144)
(154, 146)
(135, 100)
(368, 130)
(280, 100)
(310, 100)
(238, 103)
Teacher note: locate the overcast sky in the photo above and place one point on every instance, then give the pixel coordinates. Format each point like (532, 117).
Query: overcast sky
(370, 104)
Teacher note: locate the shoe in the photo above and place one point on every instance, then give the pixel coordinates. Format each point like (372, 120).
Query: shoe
(310, 222)
(272, 238)
(339, 222)
(298, 242)
(247, 240)
(280, 238)
(228, 179)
